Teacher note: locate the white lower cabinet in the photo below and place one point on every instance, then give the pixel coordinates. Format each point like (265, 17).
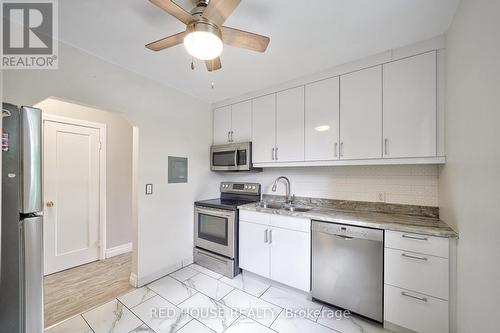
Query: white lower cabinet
(276, 247)
(254, 250)
(416, 282)
(415, 311)
(290, 257)
(406, 269)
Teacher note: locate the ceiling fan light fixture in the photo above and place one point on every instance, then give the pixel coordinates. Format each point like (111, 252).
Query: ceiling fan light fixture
(203, 41)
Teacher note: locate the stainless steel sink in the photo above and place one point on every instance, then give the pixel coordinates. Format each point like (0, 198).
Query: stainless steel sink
(276, 205)
(270, 205)
(297, 209)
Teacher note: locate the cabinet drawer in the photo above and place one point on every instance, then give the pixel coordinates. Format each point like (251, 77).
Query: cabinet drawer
(415, 311)
(292, 223)
(255, 217)
(421, 273)
(436, 246)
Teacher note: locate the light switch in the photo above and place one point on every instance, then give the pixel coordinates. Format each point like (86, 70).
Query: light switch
(149, 189)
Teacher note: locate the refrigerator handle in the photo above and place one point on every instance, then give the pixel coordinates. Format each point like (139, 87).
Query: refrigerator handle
(32, 234)
(31, 159)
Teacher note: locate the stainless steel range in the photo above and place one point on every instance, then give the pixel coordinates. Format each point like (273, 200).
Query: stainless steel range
(216, 227)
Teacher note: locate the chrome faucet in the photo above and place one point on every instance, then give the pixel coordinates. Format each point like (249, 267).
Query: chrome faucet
(289, 198)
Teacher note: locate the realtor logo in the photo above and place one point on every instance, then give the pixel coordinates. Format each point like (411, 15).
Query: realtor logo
(29, 39)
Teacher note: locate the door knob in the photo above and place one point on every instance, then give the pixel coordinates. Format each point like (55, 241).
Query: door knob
(50, 204)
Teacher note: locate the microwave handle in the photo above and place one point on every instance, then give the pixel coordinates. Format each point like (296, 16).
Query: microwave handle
(236, 158)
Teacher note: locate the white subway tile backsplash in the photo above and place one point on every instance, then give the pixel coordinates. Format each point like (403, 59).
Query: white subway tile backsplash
(402, 184)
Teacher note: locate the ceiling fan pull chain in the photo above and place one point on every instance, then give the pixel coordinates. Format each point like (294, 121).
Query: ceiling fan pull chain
(192, 63)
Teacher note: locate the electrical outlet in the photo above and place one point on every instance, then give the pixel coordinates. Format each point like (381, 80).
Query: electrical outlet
(381, 196)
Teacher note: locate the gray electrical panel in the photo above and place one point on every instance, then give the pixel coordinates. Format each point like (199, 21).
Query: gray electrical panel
(177, 169)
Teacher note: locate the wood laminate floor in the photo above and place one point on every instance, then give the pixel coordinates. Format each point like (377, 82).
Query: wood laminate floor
(78, 289)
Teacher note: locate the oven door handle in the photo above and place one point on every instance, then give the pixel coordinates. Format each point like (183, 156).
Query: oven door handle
(215, 212)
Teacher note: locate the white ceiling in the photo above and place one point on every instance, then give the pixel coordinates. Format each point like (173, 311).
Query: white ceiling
(307, 36)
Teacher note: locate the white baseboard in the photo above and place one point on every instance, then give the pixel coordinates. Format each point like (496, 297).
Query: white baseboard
(117, 250)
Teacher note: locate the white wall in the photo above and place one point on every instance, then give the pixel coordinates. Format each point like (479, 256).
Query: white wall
(402, 184)
(119, 164)
(169, 123)
(469, 183)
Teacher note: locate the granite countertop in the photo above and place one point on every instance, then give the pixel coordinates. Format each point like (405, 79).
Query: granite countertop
(428, 225)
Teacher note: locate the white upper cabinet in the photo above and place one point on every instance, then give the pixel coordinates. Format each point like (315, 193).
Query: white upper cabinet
(264, 128)
(322, 120)
(290, 125)
(241, 122)
(361, 114)
(410, 107)
(384, 114)
(222, 125)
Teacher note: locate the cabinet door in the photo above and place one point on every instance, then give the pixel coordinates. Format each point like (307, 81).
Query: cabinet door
(322, 120)
(410, 107)
(241, 125)
(290, 257)
(254, 248)
(290, 125)
(264, 128)
(222, 125)
(361, 114)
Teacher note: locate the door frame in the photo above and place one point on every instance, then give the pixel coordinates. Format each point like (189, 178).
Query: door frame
(102, 168)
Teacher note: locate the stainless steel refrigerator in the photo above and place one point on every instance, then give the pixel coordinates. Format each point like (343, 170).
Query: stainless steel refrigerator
(21, 256)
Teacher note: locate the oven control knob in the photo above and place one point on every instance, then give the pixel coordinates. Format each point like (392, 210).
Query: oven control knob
(246, 186)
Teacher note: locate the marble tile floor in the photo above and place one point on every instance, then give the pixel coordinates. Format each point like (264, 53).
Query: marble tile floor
(196, 300)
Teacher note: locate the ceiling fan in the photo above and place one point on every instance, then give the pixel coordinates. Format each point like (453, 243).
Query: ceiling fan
(205, 34)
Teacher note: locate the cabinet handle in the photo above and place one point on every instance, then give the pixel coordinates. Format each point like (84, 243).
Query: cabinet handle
(414, 237)
(228, 136)
(232, 140)
(335, 149)
(276, 154)
(265, 236)
(341, 149)
(270, 236)
(413, 257)
(385, 146)
(423, 299)
(272, 154)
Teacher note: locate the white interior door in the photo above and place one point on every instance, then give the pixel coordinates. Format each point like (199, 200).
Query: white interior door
(71, 195)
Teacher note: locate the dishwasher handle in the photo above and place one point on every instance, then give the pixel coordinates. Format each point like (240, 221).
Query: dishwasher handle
(346, 231)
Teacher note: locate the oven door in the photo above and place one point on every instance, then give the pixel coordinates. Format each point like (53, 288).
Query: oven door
(233, 157)
(214, 230)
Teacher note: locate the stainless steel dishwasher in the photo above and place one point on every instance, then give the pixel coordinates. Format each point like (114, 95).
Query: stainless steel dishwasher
(348, 267)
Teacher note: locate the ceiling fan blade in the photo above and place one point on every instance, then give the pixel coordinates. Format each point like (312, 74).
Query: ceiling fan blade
(218, 11)
(213, 65)
(245, 39)
(167, 42)
(174, 9)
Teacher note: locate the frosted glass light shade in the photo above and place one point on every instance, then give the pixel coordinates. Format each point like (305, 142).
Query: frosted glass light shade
(203, 45)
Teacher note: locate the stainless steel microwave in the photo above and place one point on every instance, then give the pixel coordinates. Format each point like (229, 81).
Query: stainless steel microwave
(232, 157)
